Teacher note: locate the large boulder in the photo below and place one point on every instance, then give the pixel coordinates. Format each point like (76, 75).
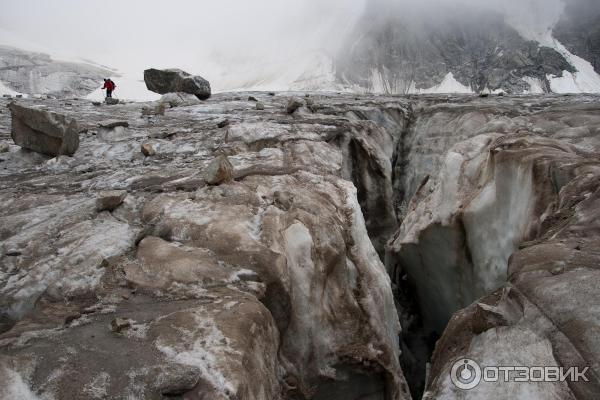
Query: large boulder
(175, 80)
(44, 131)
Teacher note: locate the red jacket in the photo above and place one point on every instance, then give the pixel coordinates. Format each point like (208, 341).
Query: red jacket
(108, 85)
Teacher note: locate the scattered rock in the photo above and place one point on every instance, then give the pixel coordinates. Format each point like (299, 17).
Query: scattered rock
(260, 106)
(19, 96)
(110, 200)
(4, 148)
(484, 95)
(252, 98)
(44, 131)
(96, 103)
(292, 105)
(148, 150)
(219, 171)
(501, 94)
(7, 96)
(176, 80)
(271, 93)
(111, 101)
(117, 325)
(223, 123)
(113, 124)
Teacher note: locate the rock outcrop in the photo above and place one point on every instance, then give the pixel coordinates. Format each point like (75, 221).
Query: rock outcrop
(176, 80)
(43, 131)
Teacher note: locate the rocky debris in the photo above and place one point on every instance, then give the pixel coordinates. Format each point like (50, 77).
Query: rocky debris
(292, 105)
(223, 123)
(96, 103)
(148, 149)
(176, 80)
(43, 131)
(260, 106)
(111, 101)
(252, 98)
(7, 96)
(219, 171)
(110, 200)
(4, 148)
(118, 325)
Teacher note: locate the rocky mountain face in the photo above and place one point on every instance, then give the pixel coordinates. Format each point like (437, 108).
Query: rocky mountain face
(579, 30)
(404, 47)
(226, 250)
(36, 73)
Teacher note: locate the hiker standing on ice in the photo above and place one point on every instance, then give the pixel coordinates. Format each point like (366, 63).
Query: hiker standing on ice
(109, 85)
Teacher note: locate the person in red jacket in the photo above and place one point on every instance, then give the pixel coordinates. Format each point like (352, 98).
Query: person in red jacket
(109, 85)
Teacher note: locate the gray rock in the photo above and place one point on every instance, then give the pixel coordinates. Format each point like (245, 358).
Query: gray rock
(260, 106)
(219, 171)
(118, 325)
(223, 123)
(176, 80)
(148, 149)
(110, 200)
(110, 124)
(7, 96)
(4, 148)
(292, 105)
(252, 98)
(44, 131)
(111, 101)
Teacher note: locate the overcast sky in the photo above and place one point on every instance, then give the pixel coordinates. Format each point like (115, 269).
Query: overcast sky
(217, 39)
(132, 34)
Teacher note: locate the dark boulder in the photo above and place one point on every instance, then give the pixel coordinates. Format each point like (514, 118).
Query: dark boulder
(44, 131)
(175, 80)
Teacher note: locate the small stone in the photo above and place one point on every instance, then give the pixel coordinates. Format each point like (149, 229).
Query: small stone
(223, 123)
(483, 95)
(72, 317)
(292, 105)
(4, 148)
(252, 98)
(271, 93)
(110, 200)
(13, 253)
(7, 96)
(111, 101)
(219, 171)
(260, 106)
(113, 124)
(119, 324)
(501, 94)
(19, 96)
(148, 150)
(96, 103)
(558, 270)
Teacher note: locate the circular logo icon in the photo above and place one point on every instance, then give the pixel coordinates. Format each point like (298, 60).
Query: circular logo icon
(465, 374)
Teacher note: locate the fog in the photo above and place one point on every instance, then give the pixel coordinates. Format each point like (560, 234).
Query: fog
(230, 42)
